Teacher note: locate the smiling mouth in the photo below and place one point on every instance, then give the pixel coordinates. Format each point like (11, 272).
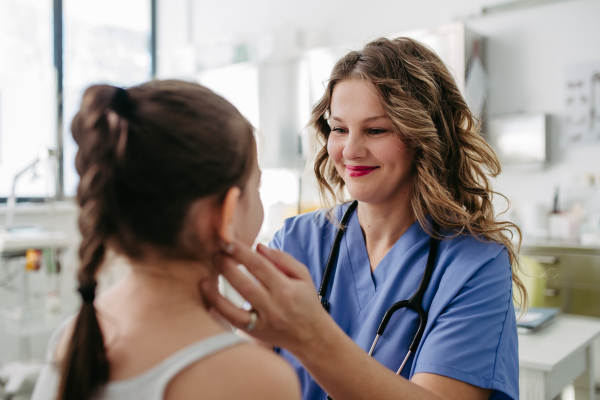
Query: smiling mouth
(355, 171)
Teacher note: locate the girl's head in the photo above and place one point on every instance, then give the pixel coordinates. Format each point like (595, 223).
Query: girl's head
(394, 127)
(167, 168)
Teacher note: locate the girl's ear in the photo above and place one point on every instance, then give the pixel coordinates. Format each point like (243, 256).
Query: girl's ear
(230, 205)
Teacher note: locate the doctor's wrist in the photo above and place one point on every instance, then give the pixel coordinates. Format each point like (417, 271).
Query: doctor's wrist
(325, 334)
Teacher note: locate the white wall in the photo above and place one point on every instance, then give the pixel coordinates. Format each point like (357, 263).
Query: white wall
(330, 22)
(293, 24)
(527, 51)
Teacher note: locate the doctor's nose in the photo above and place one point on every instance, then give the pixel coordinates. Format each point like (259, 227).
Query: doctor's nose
(354, 147)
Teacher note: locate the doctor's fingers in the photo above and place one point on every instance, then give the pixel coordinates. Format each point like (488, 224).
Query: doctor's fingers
(259, 266)
(285, 262)
(236, 316)
(250, 290)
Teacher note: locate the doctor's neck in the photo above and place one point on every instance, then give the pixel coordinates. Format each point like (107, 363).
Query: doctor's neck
(383, 223)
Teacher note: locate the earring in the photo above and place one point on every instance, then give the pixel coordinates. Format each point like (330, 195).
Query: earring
(228, 247)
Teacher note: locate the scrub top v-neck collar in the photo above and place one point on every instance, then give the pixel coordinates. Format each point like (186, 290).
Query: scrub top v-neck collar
(358, 258)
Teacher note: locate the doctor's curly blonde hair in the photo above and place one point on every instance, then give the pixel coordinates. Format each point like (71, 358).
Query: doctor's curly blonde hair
(452, 162)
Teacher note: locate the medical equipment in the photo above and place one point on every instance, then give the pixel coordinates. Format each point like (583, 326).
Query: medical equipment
(45, 156)
(414, 303)
(30, 266)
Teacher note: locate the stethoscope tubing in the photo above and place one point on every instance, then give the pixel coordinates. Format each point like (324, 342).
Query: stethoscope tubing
(335, 250)
(415, 301)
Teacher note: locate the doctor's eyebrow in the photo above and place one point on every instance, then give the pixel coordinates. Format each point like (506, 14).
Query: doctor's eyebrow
(364, 120)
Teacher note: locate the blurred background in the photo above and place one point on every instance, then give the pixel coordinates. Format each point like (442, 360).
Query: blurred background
(529, 69)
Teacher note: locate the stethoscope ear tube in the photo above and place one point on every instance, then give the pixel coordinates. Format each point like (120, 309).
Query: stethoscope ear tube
(417, 298)
(334, 253)
(414, 303)
(405, 304)
(390, 311)
(420, 331)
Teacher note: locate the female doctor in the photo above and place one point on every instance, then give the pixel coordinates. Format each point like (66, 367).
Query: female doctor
(398, 135)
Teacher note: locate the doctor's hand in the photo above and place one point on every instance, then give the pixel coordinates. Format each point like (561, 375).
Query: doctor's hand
(288, 310)
(290, 316)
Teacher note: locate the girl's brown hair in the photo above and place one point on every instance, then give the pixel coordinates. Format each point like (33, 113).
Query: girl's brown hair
(452, 160)
(146, 154)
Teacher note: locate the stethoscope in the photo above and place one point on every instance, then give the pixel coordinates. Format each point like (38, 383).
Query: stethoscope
(414, 303)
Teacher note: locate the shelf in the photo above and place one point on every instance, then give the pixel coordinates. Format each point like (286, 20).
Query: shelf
(31, 237)
(34, 322)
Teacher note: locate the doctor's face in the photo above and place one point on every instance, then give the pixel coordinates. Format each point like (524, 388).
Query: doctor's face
(364, 146)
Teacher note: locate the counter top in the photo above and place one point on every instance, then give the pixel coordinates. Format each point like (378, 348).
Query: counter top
(546, 349)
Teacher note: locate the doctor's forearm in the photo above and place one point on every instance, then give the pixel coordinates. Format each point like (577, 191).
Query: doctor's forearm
(346, 372)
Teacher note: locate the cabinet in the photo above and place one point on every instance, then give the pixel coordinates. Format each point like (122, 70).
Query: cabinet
(572, 282)
(572, 276)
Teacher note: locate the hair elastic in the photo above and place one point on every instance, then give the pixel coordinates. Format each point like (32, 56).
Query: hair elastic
(88, 292)
(121, 103)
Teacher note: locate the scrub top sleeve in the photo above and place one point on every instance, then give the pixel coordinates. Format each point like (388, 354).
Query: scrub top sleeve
(474, 338)
(277, 242)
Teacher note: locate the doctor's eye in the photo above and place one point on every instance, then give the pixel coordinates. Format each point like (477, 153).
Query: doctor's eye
(339, 130)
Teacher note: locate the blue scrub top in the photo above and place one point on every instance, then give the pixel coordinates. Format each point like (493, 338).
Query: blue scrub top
(471, 332)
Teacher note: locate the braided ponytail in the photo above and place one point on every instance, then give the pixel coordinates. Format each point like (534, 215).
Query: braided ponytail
(98, 131)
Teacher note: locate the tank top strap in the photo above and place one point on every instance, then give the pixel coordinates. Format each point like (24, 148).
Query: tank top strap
(192, 354)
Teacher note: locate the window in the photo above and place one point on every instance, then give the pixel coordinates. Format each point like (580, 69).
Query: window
(106, 41)
(27, 95)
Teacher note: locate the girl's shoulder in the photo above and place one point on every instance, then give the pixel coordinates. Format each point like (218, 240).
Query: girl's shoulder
(247, 371)
(222, 366)
(59, 341)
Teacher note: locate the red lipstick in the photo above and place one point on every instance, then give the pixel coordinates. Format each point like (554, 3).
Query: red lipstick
(359, 170)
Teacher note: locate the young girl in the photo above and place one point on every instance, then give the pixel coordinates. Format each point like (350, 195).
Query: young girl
(169, 178)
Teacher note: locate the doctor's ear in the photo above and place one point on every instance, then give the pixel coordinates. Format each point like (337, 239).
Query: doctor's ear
(228, 208)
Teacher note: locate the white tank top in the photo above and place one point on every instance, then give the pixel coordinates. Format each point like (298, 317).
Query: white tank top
(149, 385)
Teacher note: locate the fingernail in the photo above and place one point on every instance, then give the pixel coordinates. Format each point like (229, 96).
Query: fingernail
(262, 248)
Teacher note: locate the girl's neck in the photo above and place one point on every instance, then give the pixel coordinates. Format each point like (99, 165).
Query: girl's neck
(158, 286)
(153, 312)
(170, 282)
